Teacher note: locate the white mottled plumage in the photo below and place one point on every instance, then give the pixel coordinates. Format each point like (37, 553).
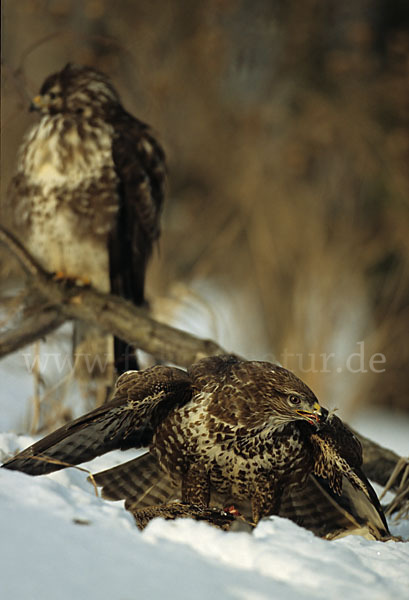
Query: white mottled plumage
(54, 232)
(87, 194)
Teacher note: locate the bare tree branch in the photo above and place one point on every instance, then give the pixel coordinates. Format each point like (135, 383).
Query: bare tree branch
(63, 301)
(29, 330)
(29, 264)
(111, 313)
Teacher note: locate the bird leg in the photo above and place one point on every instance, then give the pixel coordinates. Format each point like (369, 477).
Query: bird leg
(266, 498)
(81, 281)
(196, 486)
(176, 510)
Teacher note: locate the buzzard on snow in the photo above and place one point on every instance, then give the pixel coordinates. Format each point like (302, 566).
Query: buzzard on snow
(226, 433)
(87, 194)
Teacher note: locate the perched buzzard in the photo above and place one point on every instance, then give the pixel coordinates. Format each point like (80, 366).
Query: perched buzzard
(88, 191)
(227, 432)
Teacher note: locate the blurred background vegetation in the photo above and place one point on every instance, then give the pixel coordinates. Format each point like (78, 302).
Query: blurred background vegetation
(286, 228)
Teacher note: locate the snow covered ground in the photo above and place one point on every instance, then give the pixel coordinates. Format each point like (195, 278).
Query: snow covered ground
(58, 541)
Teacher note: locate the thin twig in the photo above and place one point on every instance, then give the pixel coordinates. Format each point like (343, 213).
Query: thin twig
(400, 503)
(37, 389)
(56, 461)
(29, 264)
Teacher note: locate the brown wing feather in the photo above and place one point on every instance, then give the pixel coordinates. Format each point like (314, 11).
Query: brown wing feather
(141, 400)
(309, 507)
(140, 165)
(337, 471)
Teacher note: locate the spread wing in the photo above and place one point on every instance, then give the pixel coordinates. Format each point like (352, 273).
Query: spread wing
(316, 507)
(142, 399)
(338, 476)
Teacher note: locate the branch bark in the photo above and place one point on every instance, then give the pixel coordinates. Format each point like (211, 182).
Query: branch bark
(30, 329)
(132, 324)
(111, 313)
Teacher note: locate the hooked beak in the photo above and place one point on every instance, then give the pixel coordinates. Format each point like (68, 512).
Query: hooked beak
(316, 416)
(37, 103)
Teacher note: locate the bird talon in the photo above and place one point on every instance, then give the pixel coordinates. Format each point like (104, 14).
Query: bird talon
(83, 281)
(59, 276)
(80, 281)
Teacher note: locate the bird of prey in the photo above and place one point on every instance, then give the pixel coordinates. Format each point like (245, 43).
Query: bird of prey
(226, 433)
(87, 194)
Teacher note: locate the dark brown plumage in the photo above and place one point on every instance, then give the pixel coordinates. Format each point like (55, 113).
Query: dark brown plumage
(228, 432)
(87, 194)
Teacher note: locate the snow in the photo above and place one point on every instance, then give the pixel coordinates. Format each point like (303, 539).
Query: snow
(59, 541)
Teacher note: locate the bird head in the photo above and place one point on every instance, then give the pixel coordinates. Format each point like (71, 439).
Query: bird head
(257, 395)
(76, 90)
(285, 398)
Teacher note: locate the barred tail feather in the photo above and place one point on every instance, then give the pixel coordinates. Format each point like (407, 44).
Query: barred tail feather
(140, 481)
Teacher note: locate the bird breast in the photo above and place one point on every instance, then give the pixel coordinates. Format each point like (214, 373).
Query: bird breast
(233, 456)
(61, 151)
(68, 199)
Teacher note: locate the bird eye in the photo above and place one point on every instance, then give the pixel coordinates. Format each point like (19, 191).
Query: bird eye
(294, 400)
(52, 95)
